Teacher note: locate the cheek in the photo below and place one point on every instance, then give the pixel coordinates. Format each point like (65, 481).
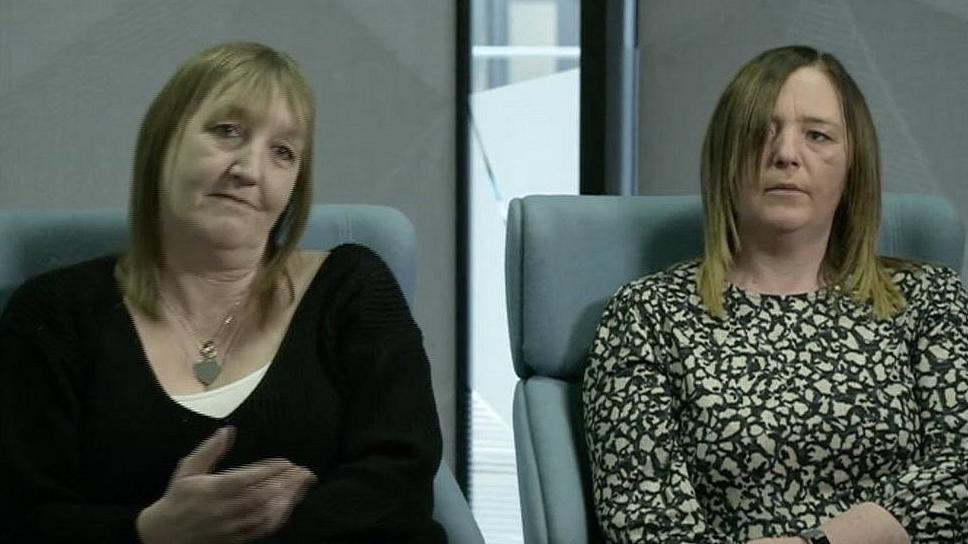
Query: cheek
(832, 168)
(838, 177)
(748, 204)
(286, 186)
(187, 172)
(173, 183)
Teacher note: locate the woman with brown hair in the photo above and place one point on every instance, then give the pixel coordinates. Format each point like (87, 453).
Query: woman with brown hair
(791, 385)
(214, 383)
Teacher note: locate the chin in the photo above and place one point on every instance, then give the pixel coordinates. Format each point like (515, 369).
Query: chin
(231, 234)
(785, 222)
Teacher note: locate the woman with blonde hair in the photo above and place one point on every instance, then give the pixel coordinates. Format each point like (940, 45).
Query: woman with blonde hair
(215, 383)
(791, 385)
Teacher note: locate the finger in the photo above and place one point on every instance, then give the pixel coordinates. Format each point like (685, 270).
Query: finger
(207, 454)
(281, 510)
(298, 476)
(261, 510)
(289, 489)
(237, 481)
(267, 494)
(279, 507)
(293, 482)
(307, 480)
(247, 520)
(311, 476)
(268, 504)
(284, 486)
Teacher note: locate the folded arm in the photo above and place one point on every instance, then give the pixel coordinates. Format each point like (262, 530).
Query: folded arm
(930, 497)
(640, 478)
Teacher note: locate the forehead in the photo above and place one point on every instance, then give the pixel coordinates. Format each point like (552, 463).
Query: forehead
(264, 103)
(808, 92)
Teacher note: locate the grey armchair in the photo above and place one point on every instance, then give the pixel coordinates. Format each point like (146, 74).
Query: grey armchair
(32, 242)
(566, 255)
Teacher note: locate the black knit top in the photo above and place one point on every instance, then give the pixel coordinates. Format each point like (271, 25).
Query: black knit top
(88, 437)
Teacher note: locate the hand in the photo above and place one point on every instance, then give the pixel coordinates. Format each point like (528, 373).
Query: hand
(781, 540)
(285, 491)
(234, 506)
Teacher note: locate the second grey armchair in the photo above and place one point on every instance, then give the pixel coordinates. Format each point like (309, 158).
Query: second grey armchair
(566, 255)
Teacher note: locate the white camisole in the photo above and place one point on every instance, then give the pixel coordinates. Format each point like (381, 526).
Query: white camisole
(221, 401)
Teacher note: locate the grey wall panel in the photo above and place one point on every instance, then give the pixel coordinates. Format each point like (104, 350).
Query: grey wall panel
(909, 57)
(76, 77)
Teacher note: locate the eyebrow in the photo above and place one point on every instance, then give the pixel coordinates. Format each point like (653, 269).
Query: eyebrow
(812, 120)
(818, 121)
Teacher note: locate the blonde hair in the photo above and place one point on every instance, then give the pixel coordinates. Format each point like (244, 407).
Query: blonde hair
(730, 156)
(248, 70)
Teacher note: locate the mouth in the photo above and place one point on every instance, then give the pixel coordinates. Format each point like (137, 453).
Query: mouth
(784, 188)
(233, 199)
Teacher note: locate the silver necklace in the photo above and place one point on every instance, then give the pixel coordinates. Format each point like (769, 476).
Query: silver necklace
(207, 368)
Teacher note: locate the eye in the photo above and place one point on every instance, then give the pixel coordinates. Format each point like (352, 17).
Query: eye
(817, 136)
(285, 153)
(227, 130)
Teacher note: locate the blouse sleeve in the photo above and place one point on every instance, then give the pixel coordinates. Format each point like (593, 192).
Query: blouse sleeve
(391, 445)
(39, 409)
(640, 478)
(930, 497)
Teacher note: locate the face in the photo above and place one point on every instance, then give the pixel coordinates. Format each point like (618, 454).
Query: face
(803, 165)
(229, 177)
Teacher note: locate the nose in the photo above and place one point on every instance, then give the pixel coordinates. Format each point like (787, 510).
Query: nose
(785, 153)
(247, 168)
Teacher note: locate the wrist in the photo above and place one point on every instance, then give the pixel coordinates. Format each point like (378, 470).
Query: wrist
(866, 523)
(814, 536)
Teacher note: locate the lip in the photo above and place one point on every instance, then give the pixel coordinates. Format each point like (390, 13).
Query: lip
(233, 198)
(784, 188)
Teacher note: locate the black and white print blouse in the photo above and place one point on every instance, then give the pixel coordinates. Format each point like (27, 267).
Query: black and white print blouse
(786, 413)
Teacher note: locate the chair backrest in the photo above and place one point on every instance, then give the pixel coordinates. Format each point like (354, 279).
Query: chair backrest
(566, 255)
(34, 241)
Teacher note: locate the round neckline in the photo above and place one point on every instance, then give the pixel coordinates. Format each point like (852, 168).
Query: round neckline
(808, 296)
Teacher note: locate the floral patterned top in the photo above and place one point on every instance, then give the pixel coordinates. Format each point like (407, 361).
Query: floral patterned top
(782, 415)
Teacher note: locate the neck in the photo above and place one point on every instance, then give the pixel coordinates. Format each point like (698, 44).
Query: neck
(780, 265)
(203, 284)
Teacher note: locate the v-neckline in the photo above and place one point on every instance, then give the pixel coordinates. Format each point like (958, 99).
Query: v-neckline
(159, 389)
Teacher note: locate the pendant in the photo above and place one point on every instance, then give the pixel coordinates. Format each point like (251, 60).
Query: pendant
(207, 368)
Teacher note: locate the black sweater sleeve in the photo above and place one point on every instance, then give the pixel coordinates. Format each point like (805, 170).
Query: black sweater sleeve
(391, 444)
(40, 407)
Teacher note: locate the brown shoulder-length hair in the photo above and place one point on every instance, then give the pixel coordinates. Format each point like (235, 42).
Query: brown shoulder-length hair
(251, 72)
(730, 156)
